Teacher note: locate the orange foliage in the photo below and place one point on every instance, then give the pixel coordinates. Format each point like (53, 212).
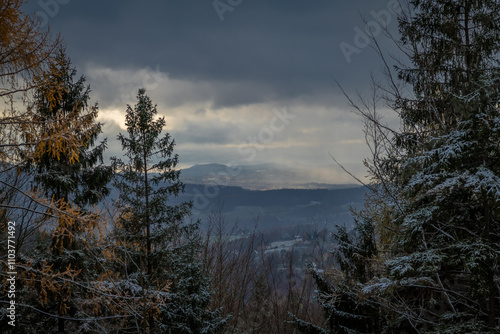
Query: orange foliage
(24, 48)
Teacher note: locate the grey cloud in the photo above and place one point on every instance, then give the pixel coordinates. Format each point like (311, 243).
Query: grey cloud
(289, 47)
(212, 132)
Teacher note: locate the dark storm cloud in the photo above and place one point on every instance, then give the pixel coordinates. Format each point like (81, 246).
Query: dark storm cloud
(289, 48)
(212, 133)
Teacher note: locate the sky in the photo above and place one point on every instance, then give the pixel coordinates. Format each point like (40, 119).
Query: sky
(238, 81)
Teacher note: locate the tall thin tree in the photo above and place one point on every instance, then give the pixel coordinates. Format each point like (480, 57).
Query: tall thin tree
(160, 247)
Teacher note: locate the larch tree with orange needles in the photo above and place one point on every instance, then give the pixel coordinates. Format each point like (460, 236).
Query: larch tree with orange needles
(80, 179)
(29, 58)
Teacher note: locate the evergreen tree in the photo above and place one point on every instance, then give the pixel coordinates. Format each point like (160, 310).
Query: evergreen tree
(436, 205)
(186, 309)
(146, 181)
(159, 250)
(444, 272)
(347, 310)
(79, 179)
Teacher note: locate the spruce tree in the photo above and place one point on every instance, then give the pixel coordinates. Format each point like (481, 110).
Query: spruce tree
(436, 201)
(145, 183)
(443, 275)
(62, 102)
(160, 249)
(346, 309)
(187, 306)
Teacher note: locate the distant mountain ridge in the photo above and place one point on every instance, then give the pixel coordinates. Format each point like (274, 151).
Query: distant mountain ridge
(271, 194)
(274, 208)
(254, 177)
